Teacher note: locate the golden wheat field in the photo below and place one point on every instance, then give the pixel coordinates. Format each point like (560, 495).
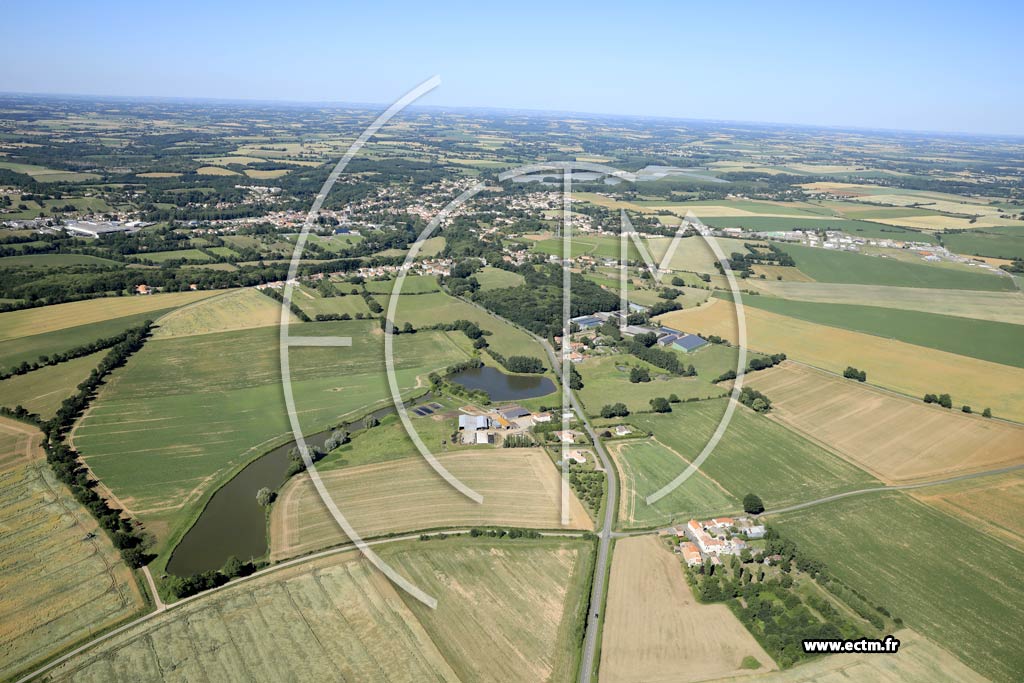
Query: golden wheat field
(521, 487)
(897, 439)
(905, 368)
(656, 631)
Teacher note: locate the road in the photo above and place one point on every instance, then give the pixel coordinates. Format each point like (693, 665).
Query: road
(605, 533)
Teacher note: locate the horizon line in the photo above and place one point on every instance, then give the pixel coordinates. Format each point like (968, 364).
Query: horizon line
(450, 108)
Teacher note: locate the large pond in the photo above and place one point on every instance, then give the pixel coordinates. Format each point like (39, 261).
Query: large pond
(233, 524)
(502, 387)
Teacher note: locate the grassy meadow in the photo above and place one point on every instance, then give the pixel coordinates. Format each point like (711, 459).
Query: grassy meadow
(942, 577)
(187, 412)
(756, 455)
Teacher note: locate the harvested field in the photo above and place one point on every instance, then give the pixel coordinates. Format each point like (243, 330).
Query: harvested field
(897, 439)
(1000, 306)
(57, 587)
(905, 368)
(33, 321)
(655, 630)
(237, 310)
(521, 487)
(507, 610)
(994, 505)
(919, 661)
(335, 618)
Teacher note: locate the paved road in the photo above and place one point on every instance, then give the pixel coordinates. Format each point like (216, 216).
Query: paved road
(605, 533)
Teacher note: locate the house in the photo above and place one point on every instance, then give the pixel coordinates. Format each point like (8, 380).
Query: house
(574, 357)
(567, 436)
(755, 531)
(586, 321)
(691, 555)
(473, 422)
(622, 430)
(576, 455)
(542, 417)
(143, 289)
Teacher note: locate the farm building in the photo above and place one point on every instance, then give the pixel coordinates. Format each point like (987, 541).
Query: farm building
(688, 342)
(513, 412)
(542, 417)
(473, 422)
(586, 321)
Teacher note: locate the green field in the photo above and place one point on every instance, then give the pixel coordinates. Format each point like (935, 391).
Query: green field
(55, 260)
(987, 242)
(413, 284)
(946, 580)
(430, 309)
(985, 339)
(312, 304)
(599, 247)
(163, 256)
(604, 382)
(496, 278)
(507, 610)
(42, 391)
(756, 455)
(187, 412)
(827, 265)
(29, 348)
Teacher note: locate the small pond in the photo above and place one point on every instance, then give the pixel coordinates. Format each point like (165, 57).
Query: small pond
(502, 387)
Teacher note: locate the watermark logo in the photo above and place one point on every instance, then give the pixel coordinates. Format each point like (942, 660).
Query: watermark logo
(571, 408)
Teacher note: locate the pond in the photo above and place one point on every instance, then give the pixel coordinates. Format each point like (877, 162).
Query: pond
(233, 524)
(502, 387)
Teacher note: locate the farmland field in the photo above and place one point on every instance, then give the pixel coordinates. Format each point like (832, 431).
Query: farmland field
(604, 382)
(58, 588)
(906, 368)
(337, 618)
(756, 455)
(521, 487)
(313, 304)
(988, 340)
(827, 265)
(42, 391)
(987, 243)
(898, 439)
(413, 284)
(941, 576)
(510, 612)
(429, 309)
(919, 661)
(993, 505)
(496, 278)
(55, 260)
(162, 256)
(1002, 306)
(656, 631)
(35, 321)
(236, 310)
(186, 412)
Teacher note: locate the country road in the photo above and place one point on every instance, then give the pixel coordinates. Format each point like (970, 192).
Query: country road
(605, 533)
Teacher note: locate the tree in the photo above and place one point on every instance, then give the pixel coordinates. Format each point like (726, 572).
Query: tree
(265, 497)
(678, 281)
(853, 373)
(575, 380)
(987, 412)
(672, 398)
(946, 401)
(966, 409)
(615, 410)
(637, 375)
(661, 405)
(752, 504)
(647, 339)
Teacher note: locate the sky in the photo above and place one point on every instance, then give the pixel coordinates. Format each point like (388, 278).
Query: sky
(936, 66)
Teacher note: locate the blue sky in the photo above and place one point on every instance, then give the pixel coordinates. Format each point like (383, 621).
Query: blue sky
(939, 66)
